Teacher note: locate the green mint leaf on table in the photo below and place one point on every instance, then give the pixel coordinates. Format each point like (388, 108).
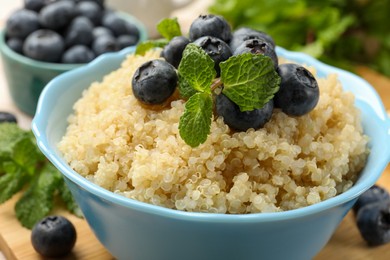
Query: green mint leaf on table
(249, 80)
(196, 69)
(37, 201)
(143, 47)
(169, 28)
(20, 166)
(23, 166)
(194, 125)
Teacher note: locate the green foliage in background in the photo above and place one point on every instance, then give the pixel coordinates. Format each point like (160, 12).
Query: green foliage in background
(339, 32)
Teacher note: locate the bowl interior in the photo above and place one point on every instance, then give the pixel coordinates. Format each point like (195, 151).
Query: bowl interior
(56, 102)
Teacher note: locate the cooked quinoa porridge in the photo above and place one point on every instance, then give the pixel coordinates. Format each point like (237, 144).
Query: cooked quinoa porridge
(290, 163)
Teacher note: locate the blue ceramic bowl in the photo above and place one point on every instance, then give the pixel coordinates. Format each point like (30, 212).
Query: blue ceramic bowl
(134, 230)
(27, 77)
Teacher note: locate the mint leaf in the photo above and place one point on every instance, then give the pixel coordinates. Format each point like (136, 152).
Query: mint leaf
(12, 182)
(197, 68)
(143, 47)
(169, 28)
(37, 201)
(10, 134)
(194, 124)
(185, 89)
(18, 166)
(249, 80)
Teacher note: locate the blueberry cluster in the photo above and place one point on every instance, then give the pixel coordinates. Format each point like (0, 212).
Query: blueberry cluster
(67, 31)
(298, 94)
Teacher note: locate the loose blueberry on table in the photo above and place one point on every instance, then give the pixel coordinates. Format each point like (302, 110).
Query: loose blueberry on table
(6, 117)
(53, 236)
(50, 30)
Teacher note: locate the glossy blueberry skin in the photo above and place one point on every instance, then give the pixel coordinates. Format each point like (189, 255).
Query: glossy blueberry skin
(53, 236)
(104, 44)
(79, 32)
(118, 25)
(173, 51)
(210, 25)
(91, 10)
(44, 45)
(21, 23)
(242, 121)
(100, 31)
(15, 44)
(299, 92)
(57, 15)
(258, 46)
(245, 33)
(124, 41)
(373, 221)
(34, 5)
(372, 195)
(78, 54)
(154, 82)
(6, 117)
(217, 49)
(101, 3)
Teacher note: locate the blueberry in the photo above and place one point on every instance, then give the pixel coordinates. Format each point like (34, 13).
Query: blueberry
(100, 31)
(78, 54)
(124, 41)
(373, 221)
(210, 25)
(57, 15)
(34, 5)
(79, 32)
(173, 51)
(257, 46)
(154, 82)
(244, 33)
(242, 120)
(53, 236)
(15, 44)
(104, 44)
(298, 93)
(7, 117)
(91, 10)
(99, 2)
(373, 194)
(217, 49)
(21, 23)
(118, 25)
(44, 45)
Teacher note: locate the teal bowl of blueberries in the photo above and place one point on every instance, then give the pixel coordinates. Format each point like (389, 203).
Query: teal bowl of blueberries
(43, 39)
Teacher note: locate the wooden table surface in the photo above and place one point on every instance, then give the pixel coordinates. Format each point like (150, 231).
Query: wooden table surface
(345, 244)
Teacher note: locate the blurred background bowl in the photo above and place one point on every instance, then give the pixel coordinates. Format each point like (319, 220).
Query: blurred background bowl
(27, 77)
(131, 229)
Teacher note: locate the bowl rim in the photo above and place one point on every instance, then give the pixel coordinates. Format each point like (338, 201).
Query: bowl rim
(62, 66)
(38, 128)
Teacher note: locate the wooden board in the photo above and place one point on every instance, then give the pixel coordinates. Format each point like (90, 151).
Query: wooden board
(345, 244)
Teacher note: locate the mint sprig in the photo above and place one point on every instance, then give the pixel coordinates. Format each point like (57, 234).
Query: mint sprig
(196, 68)
(249, 80)
(194, 124)
(23, 167)
(168, 28)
